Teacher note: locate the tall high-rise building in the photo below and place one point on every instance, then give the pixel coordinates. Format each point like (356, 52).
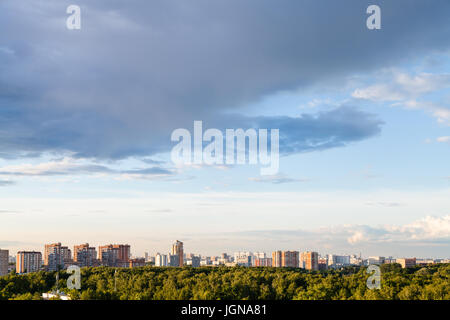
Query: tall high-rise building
(4, 262)
(285, 259)
(177, 249)
(84, 255)
(28, 261)
(124, 252)
(276, 259)
(108, 255)
(289, 259)
(56, 256)
(160, 260)
(115, 255)
(309, 260)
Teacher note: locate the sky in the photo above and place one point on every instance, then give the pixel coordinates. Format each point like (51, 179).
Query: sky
(86, 118)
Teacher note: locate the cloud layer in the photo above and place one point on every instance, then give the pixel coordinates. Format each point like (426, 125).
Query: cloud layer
(410, 91)
(138, 70)
(70, 166)
(429, 231)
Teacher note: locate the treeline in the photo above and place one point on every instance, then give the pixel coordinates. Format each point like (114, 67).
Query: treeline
(430, 282)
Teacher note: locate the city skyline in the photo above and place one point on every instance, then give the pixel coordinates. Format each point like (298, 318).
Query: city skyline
(59, 257)
(87, 115)
(97, 254)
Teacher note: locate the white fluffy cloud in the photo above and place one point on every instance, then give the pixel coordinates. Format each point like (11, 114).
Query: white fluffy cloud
(407, 90)
(429, 228)
(443, 139)
(429, 231)
(404, 87)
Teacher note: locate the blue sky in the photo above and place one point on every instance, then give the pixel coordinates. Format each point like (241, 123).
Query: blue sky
(86, 117)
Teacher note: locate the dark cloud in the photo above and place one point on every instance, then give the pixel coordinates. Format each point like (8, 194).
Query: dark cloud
(139, 69)
(321, 131)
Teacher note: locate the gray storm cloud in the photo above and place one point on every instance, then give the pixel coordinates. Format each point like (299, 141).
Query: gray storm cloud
(139, 69)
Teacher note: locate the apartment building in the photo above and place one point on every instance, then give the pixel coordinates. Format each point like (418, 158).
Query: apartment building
(309, 260)
(285, 259)
(56, 256)
(114, 255)
(407, 262)
(28, 261)
(4, 262)
(84, 255)
(177, 250)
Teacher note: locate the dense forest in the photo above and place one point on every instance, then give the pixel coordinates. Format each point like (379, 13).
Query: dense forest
(430, 282)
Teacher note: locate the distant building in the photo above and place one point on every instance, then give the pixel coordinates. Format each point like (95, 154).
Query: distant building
(108, 255)
(177, 249)
(205, 261)
(56, 256)
(263, 262)
(289, 259)
(243, 258)
(323, 264)
(425, 262)
(195, 261)
(115, 255)
(338, 261)
(4, 262)
(257, 255)
(137, 262)
(407, 263)
(285, 259)
(276, 259)
(355, 260)
(310, 260)
(160, 260)
(223, 259)
(84, 255)
(54, 295)
(376, 260)
(28, 261)
(173, 260)
(389, 260)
